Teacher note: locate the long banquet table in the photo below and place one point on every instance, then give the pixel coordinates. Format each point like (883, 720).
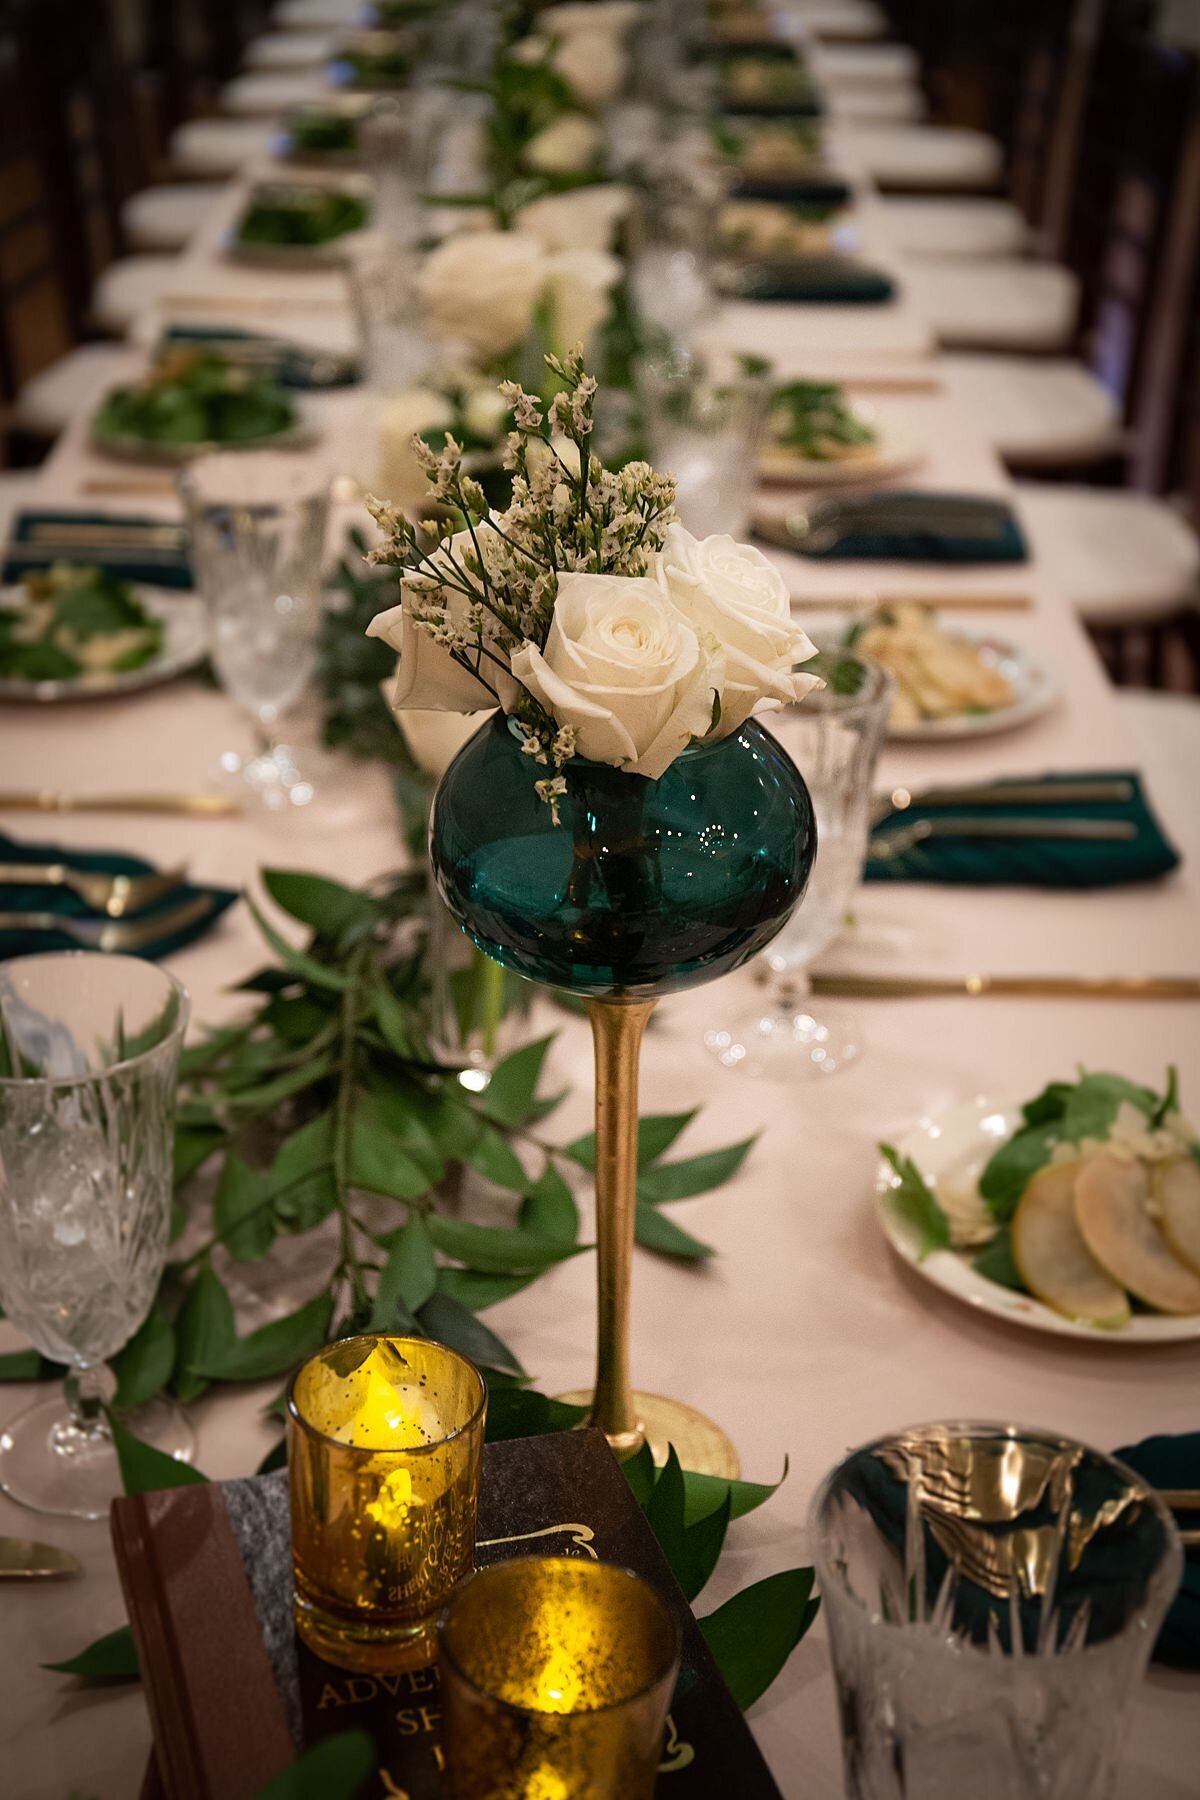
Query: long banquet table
(804, 1335)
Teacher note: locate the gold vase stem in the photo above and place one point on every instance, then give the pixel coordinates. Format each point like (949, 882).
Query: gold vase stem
(617, 1037)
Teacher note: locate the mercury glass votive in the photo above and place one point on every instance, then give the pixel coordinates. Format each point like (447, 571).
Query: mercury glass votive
(556, 1677)
(385, 1444)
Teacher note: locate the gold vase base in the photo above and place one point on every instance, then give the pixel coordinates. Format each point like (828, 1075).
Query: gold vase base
(366, 1652)
(700, 1444)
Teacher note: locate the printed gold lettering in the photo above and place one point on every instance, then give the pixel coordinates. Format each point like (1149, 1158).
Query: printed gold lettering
(329, 1697)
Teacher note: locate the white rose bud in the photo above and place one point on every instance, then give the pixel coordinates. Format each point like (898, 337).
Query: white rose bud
(483, 286)
(583, 219)
(733, 593)
(625, 669)
(568, 146)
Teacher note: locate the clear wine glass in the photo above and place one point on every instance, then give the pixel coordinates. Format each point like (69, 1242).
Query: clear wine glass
(705, 431)
(89, 1049)
(834, 738)
(258, 523)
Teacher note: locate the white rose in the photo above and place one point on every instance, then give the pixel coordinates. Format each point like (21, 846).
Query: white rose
(584, 219)
(594, 64)
(613, 17)
(625, 669)
(568, 146)
(399, 477)
(731, 592)
(483, 286)
(435, 738)
(578, 286)
(427, 676)
(485, 410)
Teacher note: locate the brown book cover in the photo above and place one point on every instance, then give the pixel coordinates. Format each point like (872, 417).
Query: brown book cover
(233, 1696)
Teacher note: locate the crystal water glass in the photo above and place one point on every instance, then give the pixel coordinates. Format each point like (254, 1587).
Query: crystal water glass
(672, 234)
(992, 1595)
(705, 431)
(258, 524)
(834, 737)
(89, 1049)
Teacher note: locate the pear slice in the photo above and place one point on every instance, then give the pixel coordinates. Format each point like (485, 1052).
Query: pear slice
(1053, 1260)
(1111, 1205)
(1177, 1199)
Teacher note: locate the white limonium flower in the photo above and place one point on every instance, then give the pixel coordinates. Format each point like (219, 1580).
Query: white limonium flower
(733, 593)
(625, 670)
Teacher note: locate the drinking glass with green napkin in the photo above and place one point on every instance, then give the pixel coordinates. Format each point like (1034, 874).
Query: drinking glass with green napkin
(1174, 1462)
(33, 897)
(1035, 862)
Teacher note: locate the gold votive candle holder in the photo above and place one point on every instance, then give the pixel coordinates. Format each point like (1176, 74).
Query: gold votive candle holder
(385, 1445)
(556, 1678)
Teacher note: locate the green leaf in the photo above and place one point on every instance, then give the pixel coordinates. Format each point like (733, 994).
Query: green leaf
(755, 1632)
(317, 974)
(515, 1412)
(655, 1231)
(640, 1474)
(1048, 1105)
(701, 1547)
(449, 1323)
(29, 1365)
(996, 1262)
(656, 1133)
(1170, 1101)
(301, 1182)
(111, 1658)
(495, 1250)
(337, 1768)
(194, 1144)
(694, 1175)
(1009, 1172)
(549, 1208)
(379, 1159)
(1093, 1104)
(204, 1330)
(143, 1367)
(275, 1349)
(510, 1094)
(396, 1022)
(913, 1200)
(703, 1494)
(325, 906)
(409, 1274)
(145, 1470)
(242, 1210)
(497, 1161)
(664, 1508)
(476, 1290)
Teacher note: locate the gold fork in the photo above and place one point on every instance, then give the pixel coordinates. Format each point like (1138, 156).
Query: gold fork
(116, 895)
(114, 934)
(889, 845)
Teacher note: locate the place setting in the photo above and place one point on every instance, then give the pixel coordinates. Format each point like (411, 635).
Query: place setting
(588, 945)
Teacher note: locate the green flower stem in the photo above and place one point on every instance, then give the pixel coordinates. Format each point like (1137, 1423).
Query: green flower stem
(491, 988)
(343, 1122)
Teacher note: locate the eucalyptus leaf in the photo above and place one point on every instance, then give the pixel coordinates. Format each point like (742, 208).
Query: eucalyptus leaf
(337, 1768)
(325, 906)
(655, 1231)
(143, 1367)
(694, 1175)
(274, 1349)
(449, 1323)
(112, 1657)
(755, 1632)
(145, 1469)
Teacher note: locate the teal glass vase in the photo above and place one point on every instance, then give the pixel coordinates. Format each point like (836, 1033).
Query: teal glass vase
(643, 887)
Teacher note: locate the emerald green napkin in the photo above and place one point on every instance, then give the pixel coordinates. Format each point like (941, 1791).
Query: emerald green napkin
(1035, 862)
(815, 190)
(292, 365)
(1174, 1462)
(830, 280)
(133, 549)
(915, 526)
(64, 904)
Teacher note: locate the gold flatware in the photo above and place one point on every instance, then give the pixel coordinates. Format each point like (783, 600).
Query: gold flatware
(116, 530)
(1005, 793)
(246, 303)
(118, 896)
(865, 603)
(24, 1559)
(1180, 1499)
(1008, 987)
(916, 383)
(114, 934)
(894, 844)
(195, 806)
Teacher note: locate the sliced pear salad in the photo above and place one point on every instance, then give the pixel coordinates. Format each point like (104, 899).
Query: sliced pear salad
(770, 149)
(1092, 1206)
(938, 674)
(71, 622)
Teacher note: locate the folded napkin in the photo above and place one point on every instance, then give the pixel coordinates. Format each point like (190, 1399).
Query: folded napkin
(832, 280)
(1174, 1462)
(1035, 862)
(813, 190)
(292, 365)
(132, 549)
(916, 527)
(807, 106)
(63, 903)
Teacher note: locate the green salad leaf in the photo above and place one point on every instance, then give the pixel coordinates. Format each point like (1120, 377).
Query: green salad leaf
(322, 133)
(305, 217)
(914, 1201)
(74, 620)
(196, 397)
(815, 419)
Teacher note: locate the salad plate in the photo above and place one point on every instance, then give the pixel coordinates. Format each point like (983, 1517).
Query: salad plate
(296, 225)
(953, 684)
(949, 1152)
(121, 636)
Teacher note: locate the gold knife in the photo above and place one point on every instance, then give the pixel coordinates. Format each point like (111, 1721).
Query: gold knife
(1009, 987)
(197, 806)
(23, 1559)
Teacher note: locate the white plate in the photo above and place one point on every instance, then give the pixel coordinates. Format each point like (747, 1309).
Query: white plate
(958, 1142)
(1034, 685)
(894, 452)
(185, 645)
